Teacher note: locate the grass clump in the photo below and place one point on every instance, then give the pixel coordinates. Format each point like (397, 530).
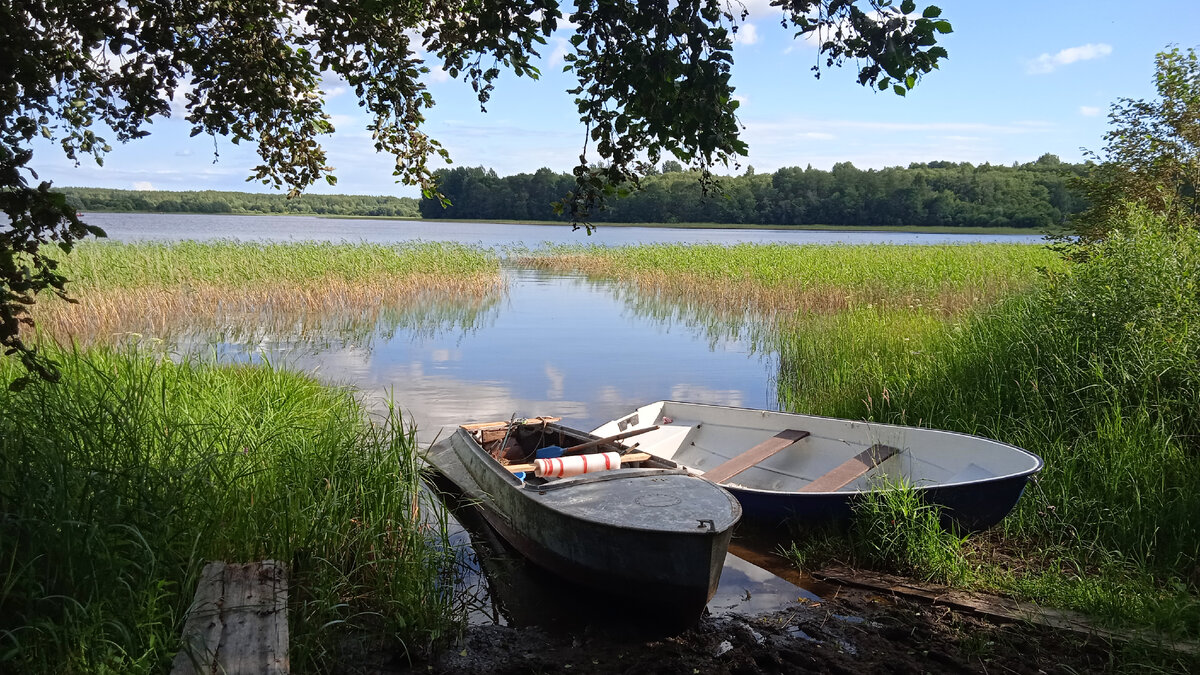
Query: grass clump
(118, 483)
(892, 529)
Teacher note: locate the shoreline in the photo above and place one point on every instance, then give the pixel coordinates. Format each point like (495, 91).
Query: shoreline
(916, 229)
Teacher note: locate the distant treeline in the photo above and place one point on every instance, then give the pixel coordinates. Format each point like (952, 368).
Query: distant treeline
(938, 194)
(210, 201)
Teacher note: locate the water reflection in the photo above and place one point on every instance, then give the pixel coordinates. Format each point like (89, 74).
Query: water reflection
(497, 585)
(554, 345)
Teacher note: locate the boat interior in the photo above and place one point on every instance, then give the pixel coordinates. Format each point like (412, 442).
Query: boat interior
(765, 450)
(518, 444)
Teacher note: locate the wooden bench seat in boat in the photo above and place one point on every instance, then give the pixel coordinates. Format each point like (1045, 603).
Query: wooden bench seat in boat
(732, 467)
(850, 470)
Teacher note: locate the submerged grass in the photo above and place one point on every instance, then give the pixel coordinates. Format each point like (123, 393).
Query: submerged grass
(154, 288)
(118, 483)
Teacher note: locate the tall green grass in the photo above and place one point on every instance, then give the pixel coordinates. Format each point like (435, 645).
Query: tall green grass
(120, 482)
(1098, 371)
(860, 274)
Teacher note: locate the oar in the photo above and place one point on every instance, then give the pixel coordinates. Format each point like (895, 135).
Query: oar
(631, 457)
(601, 441)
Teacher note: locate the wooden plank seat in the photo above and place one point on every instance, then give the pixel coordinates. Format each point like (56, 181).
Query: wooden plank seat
(733, 466)
(848, 471)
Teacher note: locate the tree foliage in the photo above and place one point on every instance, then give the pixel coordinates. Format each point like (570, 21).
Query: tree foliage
(654, 80)
(217, 201)
(1034, 195)
(1152, 152)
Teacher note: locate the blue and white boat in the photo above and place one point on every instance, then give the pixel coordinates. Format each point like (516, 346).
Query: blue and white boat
(811, 470)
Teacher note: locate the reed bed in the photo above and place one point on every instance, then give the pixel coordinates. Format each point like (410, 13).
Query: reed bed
(118, 483)
(159, 288)
(1094, 366)
(1098, 371)
(780, 279)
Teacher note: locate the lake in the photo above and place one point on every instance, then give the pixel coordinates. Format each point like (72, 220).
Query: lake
(559, 345)
(174, 227)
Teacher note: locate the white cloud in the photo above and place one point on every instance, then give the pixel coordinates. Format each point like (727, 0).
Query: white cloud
(179, 99)
(333, 85)
(799, 141)
(747, 35)
(1089, 110)
(1048, 63)
(143, 185)
(556, 377)
(761, 8)
(699, 393)
(558, 55)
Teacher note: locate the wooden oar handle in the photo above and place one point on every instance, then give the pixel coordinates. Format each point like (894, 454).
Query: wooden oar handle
(601, 441)
(625, 459)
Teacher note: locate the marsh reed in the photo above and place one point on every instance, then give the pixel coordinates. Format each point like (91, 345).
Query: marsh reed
(783, 279)
(156, 289)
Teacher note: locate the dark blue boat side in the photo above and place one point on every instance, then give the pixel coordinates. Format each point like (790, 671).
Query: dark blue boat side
(811, 470)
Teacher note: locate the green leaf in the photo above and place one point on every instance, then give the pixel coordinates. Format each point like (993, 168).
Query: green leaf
(932, 12)
(943, 26)
(900, 90)
(908, 6)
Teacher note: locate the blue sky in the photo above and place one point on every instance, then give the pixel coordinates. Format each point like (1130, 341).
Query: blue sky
(1023, 79)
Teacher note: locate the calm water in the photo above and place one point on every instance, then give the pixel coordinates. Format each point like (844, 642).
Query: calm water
(174, 227)
(553, 345)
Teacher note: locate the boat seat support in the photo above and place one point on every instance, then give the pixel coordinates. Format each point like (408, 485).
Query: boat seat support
(846, 472)
(732, 467)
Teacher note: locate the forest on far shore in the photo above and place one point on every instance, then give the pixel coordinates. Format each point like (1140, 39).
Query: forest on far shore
(1038, 195)
(213, 201)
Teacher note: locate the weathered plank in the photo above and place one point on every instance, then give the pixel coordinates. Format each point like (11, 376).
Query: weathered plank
(846, 472)
(237, 624)
(732, 467)
(995, 607)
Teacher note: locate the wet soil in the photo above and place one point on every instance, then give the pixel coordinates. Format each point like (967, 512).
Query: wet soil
(853, 631)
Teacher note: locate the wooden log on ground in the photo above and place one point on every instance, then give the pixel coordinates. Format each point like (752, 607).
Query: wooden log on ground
(237, 624)
(997, 607)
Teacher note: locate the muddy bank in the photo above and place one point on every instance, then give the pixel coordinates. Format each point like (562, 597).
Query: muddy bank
(854, 632)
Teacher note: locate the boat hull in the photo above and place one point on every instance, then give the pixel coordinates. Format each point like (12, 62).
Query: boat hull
(967, 509)
(975, 481)
(633, 533)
